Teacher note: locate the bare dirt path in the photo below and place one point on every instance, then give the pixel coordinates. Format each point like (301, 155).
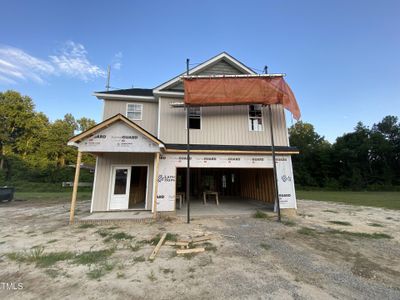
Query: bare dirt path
(329, 251)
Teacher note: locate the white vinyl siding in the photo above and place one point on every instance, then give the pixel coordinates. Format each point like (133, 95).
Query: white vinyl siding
(255, 117)
(134, 111)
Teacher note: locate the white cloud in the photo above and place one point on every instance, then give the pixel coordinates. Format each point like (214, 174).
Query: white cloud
(17, 65)
(116, 61)
(73, 61)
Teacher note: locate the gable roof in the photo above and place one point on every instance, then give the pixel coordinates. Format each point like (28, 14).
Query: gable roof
(222, 56)
(106, 123)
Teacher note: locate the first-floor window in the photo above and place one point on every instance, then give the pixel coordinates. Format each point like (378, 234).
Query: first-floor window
(134, 111)
(194, 118)
(255, 117)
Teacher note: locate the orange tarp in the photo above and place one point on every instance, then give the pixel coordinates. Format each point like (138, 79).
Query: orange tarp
(240, 90)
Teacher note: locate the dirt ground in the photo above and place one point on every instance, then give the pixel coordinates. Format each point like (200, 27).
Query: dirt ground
(306, 257)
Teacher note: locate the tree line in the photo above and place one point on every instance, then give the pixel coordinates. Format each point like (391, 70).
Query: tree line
(366, 158)
(34, 149)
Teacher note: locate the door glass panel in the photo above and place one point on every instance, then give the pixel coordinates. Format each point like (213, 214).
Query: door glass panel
(121, 176)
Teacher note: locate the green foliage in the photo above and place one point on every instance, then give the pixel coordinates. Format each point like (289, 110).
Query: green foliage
(363, 159)
(33, 149)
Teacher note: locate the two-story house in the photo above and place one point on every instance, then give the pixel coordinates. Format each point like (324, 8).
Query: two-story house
(140, 147)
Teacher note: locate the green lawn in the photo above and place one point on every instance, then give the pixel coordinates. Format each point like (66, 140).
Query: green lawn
(389, 200)
(58, 196)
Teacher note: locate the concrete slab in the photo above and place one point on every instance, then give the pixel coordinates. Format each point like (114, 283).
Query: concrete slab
(118, 216)
(229, 206)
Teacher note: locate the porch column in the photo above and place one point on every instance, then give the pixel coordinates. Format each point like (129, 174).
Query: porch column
(155, 175)
(75, 187)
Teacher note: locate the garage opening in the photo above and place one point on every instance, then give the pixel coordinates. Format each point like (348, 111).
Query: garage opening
(236, 187)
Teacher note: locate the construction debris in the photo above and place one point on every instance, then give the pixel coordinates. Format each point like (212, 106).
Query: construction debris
(193, 250)
(181, 244)
(157, 248)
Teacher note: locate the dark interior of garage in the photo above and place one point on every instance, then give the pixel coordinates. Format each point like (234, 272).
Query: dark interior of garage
(249, 184)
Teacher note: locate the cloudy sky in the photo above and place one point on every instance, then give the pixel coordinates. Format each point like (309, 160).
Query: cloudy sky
(341, 57)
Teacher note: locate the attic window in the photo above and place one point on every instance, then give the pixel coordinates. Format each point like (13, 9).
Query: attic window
(255, 117)
(195, 118)
(134, 111)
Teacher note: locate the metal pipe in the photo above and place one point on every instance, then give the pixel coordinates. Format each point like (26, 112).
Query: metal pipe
(278, 206)
(188, 154)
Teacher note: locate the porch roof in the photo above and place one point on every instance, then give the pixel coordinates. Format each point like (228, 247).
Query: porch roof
(116, 134)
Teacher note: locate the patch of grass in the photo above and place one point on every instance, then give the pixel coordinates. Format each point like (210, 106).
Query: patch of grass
(288, 223)
(2, 242)
(41, 259)
(151, 276)
(374, 235)
(307, 231)
(49, 259)
(93, 257)
(112, 227)
(189, 256)
(167, 271)
(331, 211)
(120, 275)
(343, 223)
(265, 246)
(139, 259)
(103, 233)
(375, 225)
(260, 215)
(86, 225)
(52, 241)
(49, 231)
(389, 200)
(118, 236)
(210, 247)
(171, 237)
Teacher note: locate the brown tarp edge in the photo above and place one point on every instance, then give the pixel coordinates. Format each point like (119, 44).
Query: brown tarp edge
(240, 91)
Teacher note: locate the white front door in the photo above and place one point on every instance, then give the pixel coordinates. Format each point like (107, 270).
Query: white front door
(120, 183)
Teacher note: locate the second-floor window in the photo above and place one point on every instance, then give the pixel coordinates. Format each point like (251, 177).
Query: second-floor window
(255, 117)
(194, 118)
(134, 111)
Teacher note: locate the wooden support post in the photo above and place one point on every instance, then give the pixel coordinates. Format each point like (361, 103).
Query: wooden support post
(277, 201)
(75, 187)
(155, 175)
(188, 153)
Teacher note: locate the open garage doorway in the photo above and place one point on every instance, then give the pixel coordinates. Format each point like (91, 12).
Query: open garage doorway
(238, 190)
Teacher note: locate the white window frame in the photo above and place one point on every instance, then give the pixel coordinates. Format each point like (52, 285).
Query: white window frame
(201, 119)
(141, 111)
(261, 118)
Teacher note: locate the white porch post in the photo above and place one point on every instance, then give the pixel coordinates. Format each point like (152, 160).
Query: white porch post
(75, 187)
(155, 175)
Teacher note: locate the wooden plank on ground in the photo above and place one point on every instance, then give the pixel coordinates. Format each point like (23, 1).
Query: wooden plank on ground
(157, 248)
(201, 239)
(170, 243)
(193, 250)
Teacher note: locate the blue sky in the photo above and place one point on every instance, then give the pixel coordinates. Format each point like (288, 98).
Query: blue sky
(341, 57)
